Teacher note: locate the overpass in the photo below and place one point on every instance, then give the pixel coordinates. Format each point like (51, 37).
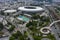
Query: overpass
(54, 23)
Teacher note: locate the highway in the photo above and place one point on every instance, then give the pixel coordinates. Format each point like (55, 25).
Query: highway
(5, 38)
(55, 18)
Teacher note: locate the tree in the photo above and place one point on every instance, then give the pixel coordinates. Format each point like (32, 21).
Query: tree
(28, 38)
(1, 26)
(29, 24)
(45, 19)
(17, 36)
(35, 16)
(11, 38)
(40, 23)
(1, 33)
(2, 13)
(12, 28)
(20, 38)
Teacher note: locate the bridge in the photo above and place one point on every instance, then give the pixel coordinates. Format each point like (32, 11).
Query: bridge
(54, 23)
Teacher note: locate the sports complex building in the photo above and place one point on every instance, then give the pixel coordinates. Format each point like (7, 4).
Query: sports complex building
(26, 10)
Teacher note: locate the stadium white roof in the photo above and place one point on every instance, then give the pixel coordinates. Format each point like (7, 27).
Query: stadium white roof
(30, 10)
(10, 11)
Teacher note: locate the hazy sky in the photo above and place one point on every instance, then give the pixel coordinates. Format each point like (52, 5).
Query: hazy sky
(56, 0)
(22, 0)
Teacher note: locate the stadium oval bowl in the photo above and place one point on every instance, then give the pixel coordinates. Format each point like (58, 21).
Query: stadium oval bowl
(30, 9)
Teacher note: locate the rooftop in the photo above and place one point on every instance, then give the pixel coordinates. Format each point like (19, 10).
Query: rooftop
(10, 11)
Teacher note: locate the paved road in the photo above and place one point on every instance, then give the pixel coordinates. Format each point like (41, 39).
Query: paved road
(5, 38)
(54, 31)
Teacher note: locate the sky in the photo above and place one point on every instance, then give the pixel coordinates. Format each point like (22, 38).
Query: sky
(56, 0)
(21, 0)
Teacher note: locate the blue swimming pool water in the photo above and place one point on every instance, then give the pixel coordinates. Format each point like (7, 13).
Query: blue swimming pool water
(20, 16)
(24, 18)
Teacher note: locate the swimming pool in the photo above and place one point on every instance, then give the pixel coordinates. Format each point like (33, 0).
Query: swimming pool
(24, 18)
